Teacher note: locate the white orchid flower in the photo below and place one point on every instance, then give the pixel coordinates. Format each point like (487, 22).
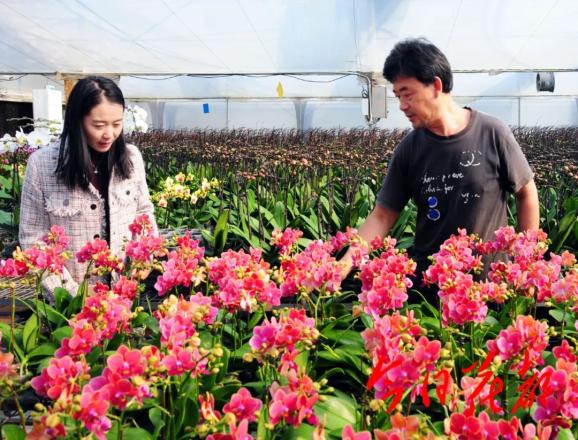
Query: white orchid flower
(5, 142)
(38, 138)
(141, 126)
(135, 120)
(21, 137)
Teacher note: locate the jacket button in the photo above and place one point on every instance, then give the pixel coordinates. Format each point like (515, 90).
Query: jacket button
(65, 202)
(93, 206)
(127, 192)
(96, 236)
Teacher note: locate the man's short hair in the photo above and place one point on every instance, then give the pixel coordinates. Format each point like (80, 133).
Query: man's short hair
(418, 58)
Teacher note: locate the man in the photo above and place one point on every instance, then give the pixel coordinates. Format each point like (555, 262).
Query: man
(457, 164)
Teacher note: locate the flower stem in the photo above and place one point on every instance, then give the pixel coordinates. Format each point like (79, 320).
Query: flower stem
(471, 340)
(564, 320)
(19, 408)
(13, 319)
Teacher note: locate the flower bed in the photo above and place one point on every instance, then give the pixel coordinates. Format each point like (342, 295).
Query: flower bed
(240, 348)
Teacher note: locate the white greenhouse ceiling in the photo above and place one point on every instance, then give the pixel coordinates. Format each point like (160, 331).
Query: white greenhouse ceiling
(275, 36)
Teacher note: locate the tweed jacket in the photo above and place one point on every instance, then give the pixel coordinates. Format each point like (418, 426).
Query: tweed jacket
(46, 202)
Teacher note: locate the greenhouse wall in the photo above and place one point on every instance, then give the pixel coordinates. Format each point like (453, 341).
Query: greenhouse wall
(311, 113)
(320, 101)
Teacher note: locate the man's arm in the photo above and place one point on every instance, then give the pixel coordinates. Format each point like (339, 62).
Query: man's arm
(378, 223)
(528, 207)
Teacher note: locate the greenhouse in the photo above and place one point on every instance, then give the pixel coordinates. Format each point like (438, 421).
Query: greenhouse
(251, 219)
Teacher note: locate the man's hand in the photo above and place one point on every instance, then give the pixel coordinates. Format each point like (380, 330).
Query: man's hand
(378, 223)
(346, 264)
(141, 274)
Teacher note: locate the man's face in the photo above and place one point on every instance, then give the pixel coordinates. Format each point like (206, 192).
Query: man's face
(416, 100)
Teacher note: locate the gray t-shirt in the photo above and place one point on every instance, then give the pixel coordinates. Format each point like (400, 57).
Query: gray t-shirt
(458, 181)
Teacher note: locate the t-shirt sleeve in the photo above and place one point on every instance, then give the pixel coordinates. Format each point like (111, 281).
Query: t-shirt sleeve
(515, 170)
(395, 191)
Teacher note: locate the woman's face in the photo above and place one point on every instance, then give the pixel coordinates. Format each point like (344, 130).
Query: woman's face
(103, 125)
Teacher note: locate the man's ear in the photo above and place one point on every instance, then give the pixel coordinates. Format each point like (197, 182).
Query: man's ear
(438, 86)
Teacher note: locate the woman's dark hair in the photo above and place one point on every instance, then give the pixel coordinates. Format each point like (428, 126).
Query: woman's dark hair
(420, 59)
(74, 163)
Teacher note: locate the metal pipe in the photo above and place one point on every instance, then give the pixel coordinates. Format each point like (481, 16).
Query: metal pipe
(265, 74)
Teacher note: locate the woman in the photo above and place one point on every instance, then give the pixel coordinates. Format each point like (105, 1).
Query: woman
(93, 185)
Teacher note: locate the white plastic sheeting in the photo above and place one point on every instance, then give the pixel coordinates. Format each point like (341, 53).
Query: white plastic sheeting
(264, 36)
(154, 44)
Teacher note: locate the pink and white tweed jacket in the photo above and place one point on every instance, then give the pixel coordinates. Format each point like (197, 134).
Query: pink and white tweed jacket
(46, 202)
